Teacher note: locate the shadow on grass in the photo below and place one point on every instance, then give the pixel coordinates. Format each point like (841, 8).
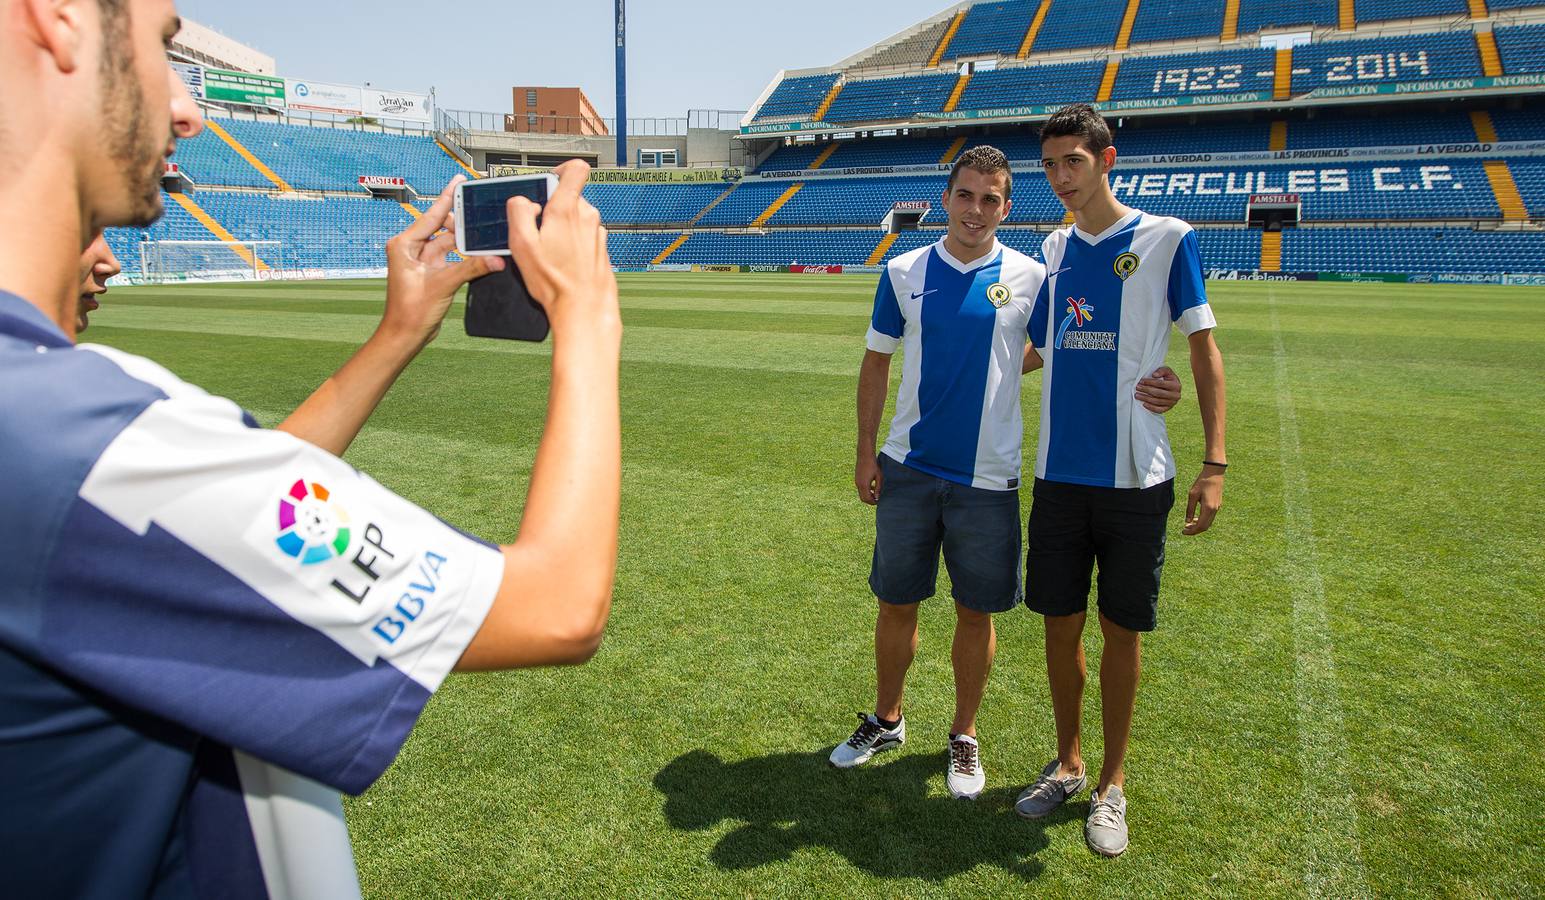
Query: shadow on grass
(882, 818)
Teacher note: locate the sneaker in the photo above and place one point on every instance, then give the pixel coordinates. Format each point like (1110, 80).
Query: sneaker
(870, 738)
(1106, 830)
(1048, 792)
(966, 776)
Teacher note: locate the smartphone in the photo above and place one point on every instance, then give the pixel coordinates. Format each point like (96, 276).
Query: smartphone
(482, 225)
(499, 306)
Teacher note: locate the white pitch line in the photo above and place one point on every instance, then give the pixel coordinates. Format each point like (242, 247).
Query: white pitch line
(1333, 859)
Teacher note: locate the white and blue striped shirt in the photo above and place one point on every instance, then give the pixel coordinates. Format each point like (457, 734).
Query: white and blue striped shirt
(1102, 325)
(961, 328)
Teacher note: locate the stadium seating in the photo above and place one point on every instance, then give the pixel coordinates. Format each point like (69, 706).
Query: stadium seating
(992, 28)
(1073, 24)
(1229, 248)
(793, 157)
(332, 159)
(1495, 5)
(1195, 74)
(1148, 140)
(1520, 124)
(797, 96)
(1529, 175)
(1522, 49)
(634, 250)
(856, 201)
(652, 204)
(1428, 250)
(1383, 131)
(1409, 57)
(1178, 21)
(209, 160)
(1383, 10)
(1031, 85)
(879, 99)
(1255, 15)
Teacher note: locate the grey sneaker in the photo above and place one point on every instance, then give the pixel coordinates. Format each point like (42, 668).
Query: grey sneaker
(1048, 792)
(1106, 830)
(868, 739)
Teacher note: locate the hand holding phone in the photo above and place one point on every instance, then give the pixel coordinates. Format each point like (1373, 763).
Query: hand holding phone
(498, 305)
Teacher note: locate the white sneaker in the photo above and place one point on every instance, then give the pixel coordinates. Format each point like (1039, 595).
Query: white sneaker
(870, 738)
(966, 776)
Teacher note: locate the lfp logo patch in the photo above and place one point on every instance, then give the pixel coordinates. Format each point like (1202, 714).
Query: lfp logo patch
(312, 529)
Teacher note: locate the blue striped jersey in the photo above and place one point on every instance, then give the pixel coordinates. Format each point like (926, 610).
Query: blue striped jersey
(207, 630)
(1103, 324)
(961, 328)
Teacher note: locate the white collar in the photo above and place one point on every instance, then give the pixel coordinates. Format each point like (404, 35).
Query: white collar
(972, 266)
(1116, 226)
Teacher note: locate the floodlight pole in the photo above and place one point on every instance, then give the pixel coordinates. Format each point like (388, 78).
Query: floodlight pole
(622, 83)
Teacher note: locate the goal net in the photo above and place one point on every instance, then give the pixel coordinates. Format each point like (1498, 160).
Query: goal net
(164, 261)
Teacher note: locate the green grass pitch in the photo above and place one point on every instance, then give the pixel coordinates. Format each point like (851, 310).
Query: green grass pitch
(1343, 698)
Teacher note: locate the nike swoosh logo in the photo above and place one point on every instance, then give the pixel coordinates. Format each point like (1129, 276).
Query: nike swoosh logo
(1060, 271)
(919, 296)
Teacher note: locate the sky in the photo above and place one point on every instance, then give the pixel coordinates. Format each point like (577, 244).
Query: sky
(692, 54)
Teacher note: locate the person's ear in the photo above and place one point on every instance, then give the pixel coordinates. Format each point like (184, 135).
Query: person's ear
(1108, 156)
(58, 27)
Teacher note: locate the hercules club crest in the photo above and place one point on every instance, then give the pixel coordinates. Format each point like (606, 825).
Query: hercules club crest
(999, 294)
(1126, 264)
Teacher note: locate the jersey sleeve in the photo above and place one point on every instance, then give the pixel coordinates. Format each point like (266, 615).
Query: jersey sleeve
(1039, 313)
(1188, 306)
(886, 325)
(257, 591)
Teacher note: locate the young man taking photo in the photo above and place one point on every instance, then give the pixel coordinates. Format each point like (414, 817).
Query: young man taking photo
(1119, 279)
(208, 629)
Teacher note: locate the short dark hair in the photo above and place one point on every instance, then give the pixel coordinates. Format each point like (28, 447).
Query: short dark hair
(989, 161)
(1079, 120)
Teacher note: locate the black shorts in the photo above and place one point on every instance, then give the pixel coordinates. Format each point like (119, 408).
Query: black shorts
(1073, 526)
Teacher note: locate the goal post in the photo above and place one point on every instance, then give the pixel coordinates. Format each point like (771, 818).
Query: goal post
(167, 261)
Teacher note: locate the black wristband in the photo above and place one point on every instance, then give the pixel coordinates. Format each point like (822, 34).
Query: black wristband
(1208, 462)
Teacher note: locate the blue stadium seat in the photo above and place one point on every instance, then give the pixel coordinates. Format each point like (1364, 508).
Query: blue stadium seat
(651, 204)
(208, 160)
(881, 99)
(1522, 49)
(1408, 57)
(993, 28)
(1163, 21)
(1418, 250)
(1072, 24)
(1361, 130)
(1032, 86)
(1195, 74)
(1255, 15)
(332, 159)
(1520, 124)
(1384, 10)
(796, 96)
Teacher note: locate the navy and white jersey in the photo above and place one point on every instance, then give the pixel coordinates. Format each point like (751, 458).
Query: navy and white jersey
(961, 330)
(202, 624)
(1102, 325)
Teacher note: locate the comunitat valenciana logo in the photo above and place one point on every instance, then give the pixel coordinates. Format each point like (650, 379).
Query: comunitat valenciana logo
(312, 529)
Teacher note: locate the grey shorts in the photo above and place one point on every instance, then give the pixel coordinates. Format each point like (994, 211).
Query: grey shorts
(977, 529)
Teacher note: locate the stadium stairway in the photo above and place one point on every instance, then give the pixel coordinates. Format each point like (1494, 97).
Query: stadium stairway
(1124, 36)
(1486, 45)
(1346, 15)
(217, 230)
(944, 42)
(248, 155)
(471, 172)
(1230, 21)
(1271, 251)
(772, 208)
(827, 101)
(953, 151)
(1034, 30)
(1283, 83)
(1478, 9)
(715, 202)
(1503, 187)
(671, 248)
(412, 210)
(1108, 80)
(960, 88)
(825, 155)
(1279, 135)
(884, 247)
